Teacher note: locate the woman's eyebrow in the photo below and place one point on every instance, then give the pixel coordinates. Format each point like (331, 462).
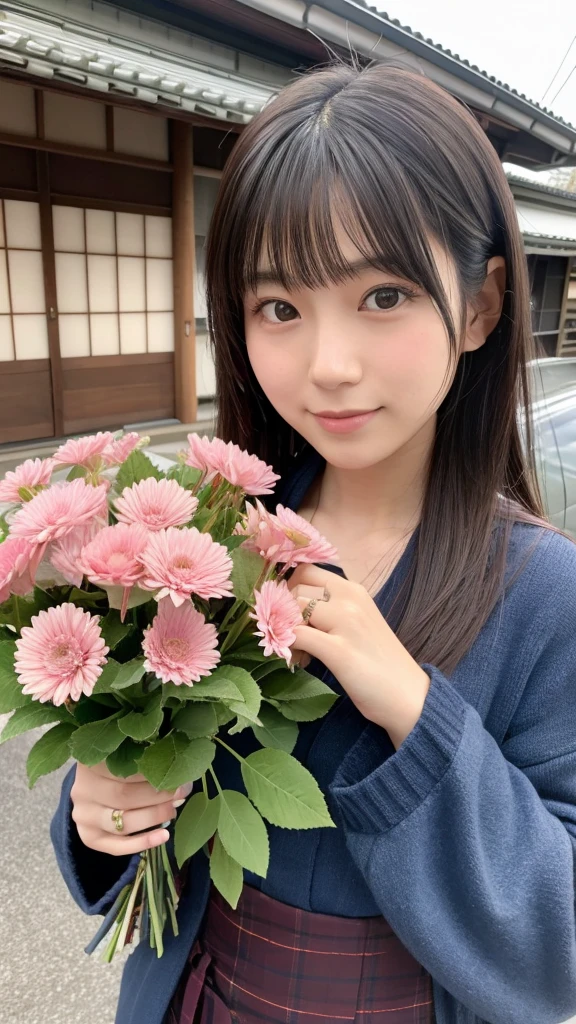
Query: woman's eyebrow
(266, 276)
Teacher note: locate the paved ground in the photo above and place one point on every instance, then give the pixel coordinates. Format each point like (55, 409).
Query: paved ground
(45, 976)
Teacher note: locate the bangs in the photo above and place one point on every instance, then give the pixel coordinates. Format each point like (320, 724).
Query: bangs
(295, 198)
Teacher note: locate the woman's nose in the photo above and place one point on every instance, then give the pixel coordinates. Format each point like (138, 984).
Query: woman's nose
(335, 359)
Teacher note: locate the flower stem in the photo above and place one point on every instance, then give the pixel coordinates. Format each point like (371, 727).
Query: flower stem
(230, 751)
(156, 924)
(235, 631)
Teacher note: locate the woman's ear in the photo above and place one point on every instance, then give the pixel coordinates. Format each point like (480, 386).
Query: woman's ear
(485, 314)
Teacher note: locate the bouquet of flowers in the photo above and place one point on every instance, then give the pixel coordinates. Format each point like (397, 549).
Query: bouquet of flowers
(145, 618)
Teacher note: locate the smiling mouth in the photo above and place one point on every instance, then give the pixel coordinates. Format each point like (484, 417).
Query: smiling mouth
(343, 415)
(344, 421)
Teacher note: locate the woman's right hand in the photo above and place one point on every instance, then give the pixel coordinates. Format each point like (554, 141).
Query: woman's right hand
(96, 793)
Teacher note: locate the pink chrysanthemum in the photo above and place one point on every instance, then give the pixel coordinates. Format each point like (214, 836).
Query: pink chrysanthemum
(156, 504)
(114, 558)
(30, 475)
(238, 467)
(118, 451)
(65, 554)
(285, 538)
(180, 563)
(60, 655)
(84, 451)
(15, 554)
(277, 614)
(180, 645)
(57, 511)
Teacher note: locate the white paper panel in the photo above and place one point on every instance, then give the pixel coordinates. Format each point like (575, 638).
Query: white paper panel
(141, 134)
(68, 229)
(132, 333)
(2, 243)
(72, 119)
(100, 234)
(159, 293)
(104, 332)
(102, 284)
(6, 346)
(4, 293)
(22, 224)
(131, 282)
(26, 281)
(71, 283)
(31, 337)
(17, 109)
(74, 335)
(158, 236)
(130, 234)
(160, 332)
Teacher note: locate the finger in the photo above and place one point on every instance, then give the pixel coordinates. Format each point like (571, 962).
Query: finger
(134, 821)
(313, 576)
(299, 659)
(323, 615)
(304, 590)
(318, 644)
(103, 770)
(121, 846)
(127, 796)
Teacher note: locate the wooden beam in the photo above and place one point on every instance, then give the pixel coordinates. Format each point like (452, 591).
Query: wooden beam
(49, 264)
(46, 145)
(183, 267)
(109, 114)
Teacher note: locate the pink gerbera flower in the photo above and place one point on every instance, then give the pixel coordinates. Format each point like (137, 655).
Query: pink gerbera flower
(156, 504)
(57, 511)
(60, 655)
(180, 563)
(238, 467)
(118, 451)
(180, 645)
(15, 554)
(285, 538)
(64, 555)
(277, 614)
(22, 483)
(114, 558)
(84, 451)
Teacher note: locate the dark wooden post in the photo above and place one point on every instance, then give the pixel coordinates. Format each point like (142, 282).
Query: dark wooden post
(49, 263)
(183, 268)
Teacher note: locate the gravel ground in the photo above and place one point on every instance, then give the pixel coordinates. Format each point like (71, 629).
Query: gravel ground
(45, 976)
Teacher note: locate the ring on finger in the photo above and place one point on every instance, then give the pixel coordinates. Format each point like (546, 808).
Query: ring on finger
(118, 819)
(306, 614)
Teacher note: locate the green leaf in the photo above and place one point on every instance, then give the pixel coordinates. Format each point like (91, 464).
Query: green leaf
(246, 571)
(233, 542)
(240, 724)
(270, 665)
(299, 685)
(142, 725)
(129, 673)
(31, 716)
(251, 696)
(196, 720)
(113, 630)
(275, 731)
(307, 710)
(226, 874)
(91, 710)
(243, 833)
(123, 761)
(175, 760)
(93, 742)
(197, 823)
(50, 752)
(217, 686)
(76, 473)
(186, 476)
(107, 677)
(223, 714)
(11, 695)
(136, 468)
(87, 598)
(284, 791)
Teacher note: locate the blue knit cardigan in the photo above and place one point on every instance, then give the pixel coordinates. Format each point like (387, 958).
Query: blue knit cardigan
(463, 839)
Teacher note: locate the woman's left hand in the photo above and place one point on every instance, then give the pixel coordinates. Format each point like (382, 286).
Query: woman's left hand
(349, 634)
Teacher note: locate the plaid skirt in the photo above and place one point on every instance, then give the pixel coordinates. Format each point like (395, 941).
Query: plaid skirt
(267, 962)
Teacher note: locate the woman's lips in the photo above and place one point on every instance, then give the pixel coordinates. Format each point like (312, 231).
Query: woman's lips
(344, 422)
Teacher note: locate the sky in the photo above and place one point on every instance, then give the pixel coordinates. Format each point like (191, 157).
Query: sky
(521, 42)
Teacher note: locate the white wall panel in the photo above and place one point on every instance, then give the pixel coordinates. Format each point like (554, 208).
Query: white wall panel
(159, 236)
(159, 293)
(100, 232)
(31, 337)
(26, 281)
(132, 333)
(71, 286)
(104, 333)
(132, 284)
(6, 346)
(102, 284)
(160, 332)
(74, 335)
(68, 229)
(22, 224)
(130, 233)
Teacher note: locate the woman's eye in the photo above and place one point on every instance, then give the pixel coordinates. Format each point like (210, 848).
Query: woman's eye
(279, 312)
(384, 298)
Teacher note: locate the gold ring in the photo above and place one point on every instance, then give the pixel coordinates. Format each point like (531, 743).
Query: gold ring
(118, 819)
(326, 596)
(309, 609)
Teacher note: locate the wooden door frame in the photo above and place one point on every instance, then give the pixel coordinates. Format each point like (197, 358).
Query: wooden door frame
(49, 267)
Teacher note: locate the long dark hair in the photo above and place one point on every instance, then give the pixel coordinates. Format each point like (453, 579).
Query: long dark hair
(409, 162)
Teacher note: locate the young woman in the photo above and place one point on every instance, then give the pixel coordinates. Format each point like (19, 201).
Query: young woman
(370, 312)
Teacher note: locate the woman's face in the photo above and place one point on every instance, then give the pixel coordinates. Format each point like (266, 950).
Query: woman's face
(358, 368)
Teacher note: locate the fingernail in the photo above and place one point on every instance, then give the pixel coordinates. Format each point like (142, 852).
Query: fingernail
(178, 803)
(184, 791)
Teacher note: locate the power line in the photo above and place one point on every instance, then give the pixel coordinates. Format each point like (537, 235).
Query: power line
(565, 82)
(557, 72)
